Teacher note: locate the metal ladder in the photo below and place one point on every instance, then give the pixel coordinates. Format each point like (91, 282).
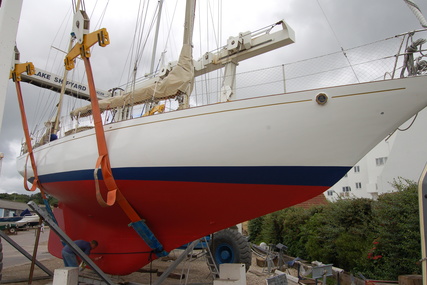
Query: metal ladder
(209, 258)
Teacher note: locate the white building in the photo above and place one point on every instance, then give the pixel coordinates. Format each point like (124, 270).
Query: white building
(404, 155)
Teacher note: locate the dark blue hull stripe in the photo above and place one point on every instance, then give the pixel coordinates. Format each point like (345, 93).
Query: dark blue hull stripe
(269, 175)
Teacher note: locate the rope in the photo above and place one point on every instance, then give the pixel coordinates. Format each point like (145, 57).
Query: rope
(336, 38)
(410, 125)
(408, 63)
(417, 12)
(402, 130)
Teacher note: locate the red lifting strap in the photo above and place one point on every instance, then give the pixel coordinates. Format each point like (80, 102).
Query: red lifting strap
(36, 182)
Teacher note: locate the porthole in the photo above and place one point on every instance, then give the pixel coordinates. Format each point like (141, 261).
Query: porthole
(321, 98)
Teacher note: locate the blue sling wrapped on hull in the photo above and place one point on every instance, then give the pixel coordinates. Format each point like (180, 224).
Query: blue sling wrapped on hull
(148, 236)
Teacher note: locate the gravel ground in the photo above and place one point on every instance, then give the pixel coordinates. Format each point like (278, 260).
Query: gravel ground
(196, 270)
(16, 267)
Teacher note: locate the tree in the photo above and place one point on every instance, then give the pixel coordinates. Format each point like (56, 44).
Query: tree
(24, 198)
(254, 228)
(294, 235)
(396, 248)
(380, 239)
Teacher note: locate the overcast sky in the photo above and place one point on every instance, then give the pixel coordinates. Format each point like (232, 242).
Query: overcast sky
(353, 22)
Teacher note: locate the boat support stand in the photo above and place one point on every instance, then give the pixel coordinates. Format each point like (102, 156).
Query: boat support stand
(53, 226)
(176, 263)
(33, 259)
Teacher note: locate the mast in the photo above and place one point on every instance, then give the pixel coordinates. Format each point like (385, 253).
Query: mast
(10, 11)
(64, 81)
(187, 44)
(189, 22)
(153, 57)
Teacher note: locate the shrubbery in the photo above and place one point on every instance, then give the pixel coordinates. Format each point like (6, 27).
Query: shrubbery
(24, 198)
(380, 239)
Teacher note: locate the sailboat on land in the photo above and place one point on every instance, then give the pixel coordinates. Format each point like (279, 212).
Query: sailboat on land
(196, 170)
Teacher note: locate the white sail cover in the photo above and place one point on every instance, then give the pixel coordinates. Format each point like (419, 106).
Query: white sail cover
(179, 80)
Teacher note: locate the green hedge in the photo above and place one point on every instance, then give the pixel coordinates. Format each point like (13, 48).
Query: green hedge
(379, 239)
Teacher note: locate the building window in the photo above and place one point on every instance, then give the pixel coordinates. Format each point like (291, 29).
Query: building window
(358, 185)
(8, 213)
(330, 192)
(381, 161)
(357, 168)
(346, 189)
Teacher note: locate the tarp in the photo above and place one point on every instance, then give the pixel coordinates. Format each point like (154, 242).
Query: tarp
(179, 80)
(26, 212)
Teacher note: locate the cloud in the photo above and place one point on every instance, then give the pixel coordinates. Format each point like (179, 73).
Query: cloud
(10, 180)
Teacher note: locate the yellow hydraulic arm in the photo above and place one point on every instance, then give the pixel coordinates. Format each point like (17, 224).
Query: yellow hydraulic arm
(100, 36)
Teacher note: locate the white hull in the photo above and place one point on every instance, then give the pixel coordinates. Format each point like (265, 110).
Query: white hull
(279, 130)
(28, 220)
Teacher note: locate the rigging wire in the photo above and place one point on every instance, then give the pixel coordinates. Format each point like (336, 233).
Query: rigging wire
(339, 43)
(93, 10)
(211, 16)
(150, 29)
(200, 47)
(101, 18)
(135, 47)
(45, 105)
(82, 4)
(132, 47)
(212, 24)
(133, 51)
(220, 71)
(173, 41)
(168, 37)
(141, 39)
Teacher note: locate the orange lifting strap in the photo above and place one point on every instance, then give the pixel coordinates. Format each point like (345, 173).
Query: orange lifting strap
(16, 77)
(103, 160)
